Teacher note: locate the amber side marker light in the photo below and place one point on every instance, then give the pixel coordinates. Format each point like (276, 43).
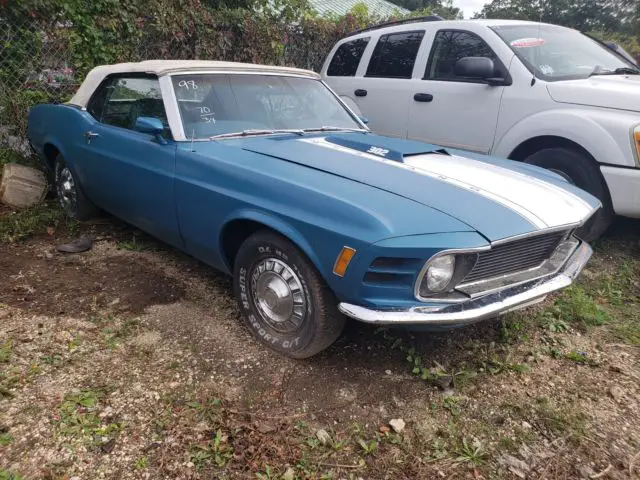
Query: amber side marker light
(343, 260)
(636, 137)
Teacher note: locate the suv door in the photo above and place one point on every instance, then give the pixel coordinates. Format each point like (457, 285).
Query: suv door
(450, 110)
(130, 173)
(383, 94)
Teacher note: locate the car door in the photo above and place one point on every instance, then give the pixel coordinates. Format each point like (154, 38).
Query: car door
(127, 172)
(383, 93)
(450, 110)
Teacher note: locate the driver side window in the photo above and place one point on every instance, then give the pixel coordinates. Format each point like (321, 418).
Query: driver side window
(120, 100)
(449, 46)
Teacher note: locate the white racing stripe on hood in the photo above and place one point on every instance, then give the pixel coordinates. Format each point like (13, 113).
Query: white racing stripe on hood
(542, 204)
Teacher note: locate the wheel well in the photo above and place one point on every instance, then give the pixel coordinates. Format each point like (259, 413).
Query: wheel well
(535, 144)
(235, 233)
(50, 154)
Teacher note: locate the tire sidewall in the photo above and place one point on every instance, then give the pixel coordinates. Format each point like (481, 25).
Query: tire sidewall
(251, 254)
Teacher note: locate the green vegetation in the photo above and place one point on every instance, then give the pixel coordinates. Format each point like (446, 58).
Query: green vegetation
(22, 224)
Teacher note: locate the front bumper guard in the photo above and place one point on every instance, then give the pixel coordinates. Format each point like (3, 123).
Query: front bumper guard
(474, 310)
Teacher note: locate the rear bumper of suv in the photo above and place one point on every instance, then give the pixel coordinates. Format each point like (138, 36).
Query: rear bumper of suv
(474, 310)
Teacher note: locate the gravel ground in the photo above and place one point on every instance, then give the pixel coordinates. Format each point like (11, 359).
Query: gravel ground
(130, 361)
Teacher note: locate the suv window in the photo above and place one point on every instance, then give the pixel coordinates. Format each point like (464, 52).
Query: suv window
(121, 100)
(395, 55)
(347, 58)
(449, 46)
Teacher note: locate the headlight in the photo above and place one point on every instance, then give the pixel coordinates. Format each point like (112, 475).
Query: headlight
(440, 272)
(635, 137)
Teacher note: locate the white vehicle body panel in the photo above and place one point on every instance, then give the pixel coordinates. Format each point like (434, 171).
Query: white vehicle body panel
(597, 113)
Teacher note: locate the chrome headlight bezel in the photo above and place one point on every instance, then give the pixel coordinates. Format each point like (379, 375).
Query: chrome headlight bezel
(463, 263)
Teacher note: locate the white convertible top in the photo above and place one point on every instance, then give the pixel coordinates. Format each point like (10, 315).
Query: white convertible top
(165, 67)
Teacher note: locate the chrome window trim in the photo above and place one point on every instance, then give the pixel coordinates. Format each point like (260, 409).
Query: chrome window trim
(423, 272)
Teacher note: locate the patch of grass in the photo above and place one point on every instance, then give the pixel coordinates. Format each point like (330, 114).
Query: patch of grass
(141, 463)
(5, 439)
(9, 475)
(559, 420)
(577, 306)
(368, 447)
(5, 351)
(627, 330)
(22, 224)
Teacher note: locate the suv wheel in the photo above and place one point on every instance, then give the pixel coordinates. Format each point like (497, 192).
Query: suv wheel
(580, 170)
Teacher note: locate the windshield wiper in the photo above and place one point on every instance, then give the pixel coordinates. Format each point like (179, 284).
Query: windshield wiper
(618, 71)
(334, 129)
(253, 132)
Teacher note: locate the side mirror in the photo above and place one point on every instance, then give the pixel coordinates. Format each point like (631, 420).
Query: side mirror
(475, 67)
(481, 68)
(150, 125)
(363, 119)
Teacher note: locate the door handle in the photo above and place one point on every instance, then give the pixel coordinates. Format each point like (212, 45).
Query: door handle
(89, 135)
(360, 93)
(423, 97)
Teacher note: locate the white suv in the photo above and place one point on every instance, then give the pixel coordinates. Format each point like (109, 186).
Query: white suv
(538, 93)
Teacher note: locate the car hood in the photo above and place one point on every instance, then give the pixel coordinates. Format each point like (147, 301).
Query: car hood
(621, 92)
(497, 198)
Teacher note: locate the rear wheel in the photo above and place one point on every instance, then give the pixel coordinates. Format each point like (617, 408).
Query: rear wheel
(583, 172)
(72, 199)
(283, 298)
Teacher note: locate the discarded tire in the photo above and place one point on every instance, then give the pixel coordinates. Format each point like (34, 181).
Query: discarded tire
(22, 186)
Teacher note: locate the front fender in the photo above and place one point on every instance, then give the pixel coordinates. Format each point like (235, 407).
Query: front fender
(276, 224)
(602, 137)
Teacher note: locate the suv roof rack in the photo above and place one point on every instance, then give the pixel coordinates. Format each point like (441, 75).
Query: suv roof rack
(428, 18)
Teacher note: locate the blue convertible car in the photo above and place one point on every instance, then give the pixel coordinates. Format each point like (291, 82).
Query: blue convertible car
(263, 173)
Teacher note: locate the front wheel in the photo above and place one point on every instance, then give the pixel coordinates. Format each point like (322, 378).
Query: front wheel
(283, 298)
(582, 171)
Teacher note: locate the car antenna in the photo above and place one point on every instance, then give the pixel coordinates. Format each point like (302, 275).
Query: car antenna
(193, 136)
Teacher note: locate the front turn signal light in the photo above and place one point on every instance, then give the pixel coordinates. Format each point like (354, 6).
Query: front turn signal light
(343, 260)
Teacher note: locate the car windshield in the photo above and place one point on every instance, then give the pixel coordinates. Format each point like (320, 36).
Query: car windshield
(555, 53)
(221, 104)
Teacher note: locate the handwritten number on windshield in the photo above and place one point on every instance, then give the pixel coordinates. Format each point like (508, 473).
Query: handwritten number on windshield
(188, 84)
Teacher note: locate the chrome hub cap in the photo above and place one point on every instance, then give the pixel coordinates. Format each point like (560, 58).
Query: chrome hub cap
(278, 295)
(66, 188)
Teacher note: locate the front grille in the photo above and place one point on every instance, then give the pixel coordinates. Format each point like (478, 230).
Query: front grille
(514, 256)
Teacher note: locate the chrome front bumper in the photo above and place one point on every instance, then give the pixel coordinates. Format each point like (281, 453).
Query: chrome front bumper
(480, 308)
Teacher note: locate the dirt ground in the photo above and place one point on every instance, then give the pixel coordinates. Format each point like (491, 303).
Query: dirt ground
(130, 361)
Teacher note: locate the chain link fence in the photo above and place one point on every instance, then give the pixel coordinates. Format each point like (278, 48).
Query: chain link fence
(37, 60)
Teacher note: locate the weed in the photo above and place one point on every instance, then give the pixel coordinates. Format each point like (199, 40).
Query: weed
(5, 439)
(26, 223)
(512, 328)
(141, 463)
(54, 359)
(496, 365)
(368, 448)
(78, 417)
(579, 357)
(553, 324)
(135, 245)
(268, 474)
(5, 351)
(8, 475)
(576, 305)
(217, 451)
(452, 405)
(173, 365)
(559, 420)
(471, 452)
